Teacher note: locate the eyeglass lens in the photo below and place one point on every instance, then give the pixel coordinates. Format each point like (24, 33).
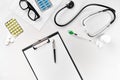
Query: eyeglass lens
(32, 15)
(23, 4)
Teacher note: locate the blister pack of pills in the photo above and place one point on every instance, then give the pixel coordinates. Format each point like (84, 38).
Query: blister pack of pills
(14, 27)
(44, 4)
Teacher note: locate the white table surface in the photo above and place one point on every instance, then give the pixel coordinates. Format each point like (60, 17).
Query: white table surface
(94, 63)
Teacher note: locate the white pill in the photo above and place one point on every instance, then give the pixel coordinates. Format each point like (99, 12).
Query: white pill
(7, 43)
(12, 40)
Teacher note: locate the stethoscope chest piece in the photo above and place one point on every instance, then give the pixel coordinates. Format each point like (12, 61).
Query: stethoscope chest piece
(103, 40)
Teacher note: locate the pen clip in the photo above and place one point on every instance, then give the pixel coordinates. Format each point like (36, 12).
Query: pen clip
(41, 43)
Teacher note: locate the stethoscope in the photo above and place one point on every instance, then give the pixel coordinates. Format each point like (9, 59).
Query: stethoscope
(99, 34)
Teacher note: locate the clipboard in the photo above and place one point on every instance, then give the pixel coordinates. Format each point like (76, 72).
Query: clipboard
(41, 60)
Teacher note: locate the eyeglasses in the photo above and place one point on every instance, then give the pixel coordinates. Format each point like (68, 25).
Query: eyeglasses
(32, 13)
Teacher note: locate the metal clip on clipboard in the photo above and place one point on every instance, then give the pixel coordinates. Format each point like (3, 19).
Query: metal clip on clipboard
(40, 43)
(36, 43)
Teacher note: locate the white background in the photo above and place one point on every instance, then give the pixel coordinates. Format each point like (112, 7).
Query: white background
(94, 63)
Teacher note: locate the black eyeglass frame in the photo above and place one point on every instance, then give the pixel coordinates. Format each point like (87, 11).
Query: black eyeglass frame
(30, 7)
